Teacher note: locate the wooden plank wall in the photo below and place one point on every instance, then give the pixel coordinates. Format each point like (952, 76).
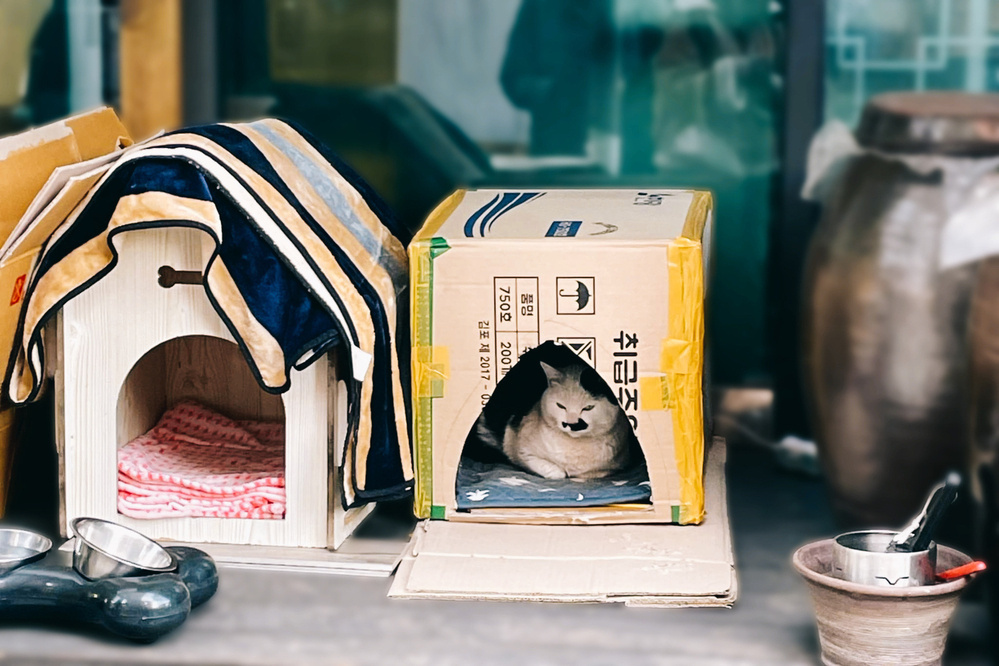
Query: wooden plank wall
(151, 66)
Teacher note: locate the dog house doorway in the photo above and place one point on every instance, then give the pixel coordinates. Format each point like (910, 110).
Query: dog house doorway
(218, 448)
(489, 478)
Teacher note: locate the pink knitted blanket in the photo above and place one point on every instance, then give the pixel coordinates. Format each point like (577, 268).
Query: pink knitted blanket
(198, 463)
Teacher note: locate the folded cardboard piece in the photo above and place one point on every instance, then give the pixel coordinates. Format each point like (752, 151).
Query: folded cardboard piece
(639, 565)
(616, 277)
(34, 166)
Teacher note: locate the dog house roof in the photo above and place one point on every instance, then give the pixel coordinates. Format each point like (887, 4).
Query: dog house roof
(306, 257)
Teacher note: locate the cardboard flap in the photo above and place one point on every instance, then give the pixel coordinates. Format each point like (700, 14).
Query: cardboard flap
(98, 132)
(44, 174)
(66, 187)
(645, 564)
(27, 160)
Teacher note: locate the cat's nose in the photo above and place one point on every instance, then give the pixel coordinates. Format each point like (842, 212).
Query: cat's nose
(575, 427)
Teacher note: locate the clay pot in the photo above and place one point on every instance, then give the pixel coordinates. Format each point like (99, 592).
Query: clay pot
(862, 625)
(884, 329)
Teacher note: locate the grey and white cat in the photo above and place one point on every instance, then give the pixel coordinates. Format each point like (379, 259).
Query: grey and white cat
(570, 432)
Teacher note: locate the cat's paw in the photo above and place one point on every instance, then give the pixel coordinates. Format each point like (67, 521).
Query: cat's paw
(544, 468)
(554, 473)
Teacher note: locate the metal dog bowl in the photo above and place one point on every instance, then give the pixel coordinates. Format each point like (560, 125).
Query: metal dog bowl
(108, 550)
(19, 547)
(862, 557)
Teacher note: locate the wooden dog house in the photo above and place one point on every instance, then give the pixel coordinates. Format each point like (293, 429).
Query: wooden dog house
(145, 337)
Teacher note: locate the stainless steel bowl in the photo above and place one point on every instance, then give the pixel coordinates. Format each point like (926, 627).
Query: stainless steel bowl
(19, 547)
(108, 550)
(862, 557)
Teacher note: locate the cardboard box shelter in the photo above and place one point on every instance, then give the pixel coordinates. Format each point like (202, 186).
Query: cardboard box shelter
(615, 275)
(33, 165)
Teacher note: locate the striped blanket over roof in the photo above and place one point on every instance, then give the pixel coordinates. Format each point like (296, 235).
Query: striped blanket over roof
(307, 258)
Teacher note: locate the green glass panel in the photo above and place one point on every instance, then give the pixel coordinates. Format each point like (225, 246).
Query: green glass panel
(423, 96)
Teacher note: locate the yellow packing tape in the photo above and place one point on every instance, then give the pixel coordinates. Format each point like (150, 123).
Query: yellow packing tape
(430, 365)
(697, 216)
(679, 355)
(431, 368)
(653, 393)
(682, 361)
(438, 217)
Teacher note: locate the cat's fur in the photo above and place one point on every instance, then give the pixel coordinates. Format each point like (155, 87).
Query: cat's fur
(570, 432)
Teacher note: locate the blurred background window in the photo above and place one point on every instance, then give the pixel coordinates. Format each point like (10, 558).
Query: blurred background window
(21, 22)
(423, 96)
(875, 46)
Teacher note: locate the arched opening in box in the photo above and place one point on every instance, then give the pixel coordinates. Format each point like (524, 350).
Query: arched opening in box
(198, 437)
(552, 435)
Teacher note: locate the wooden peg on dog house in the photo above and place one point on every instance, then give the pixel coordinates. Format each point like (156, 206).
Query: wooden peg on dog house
(169, 277)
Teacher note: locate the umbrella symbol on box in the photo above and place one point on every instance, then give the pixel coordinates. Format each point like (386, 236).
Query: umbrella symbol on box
(575, 295)
(582, 294)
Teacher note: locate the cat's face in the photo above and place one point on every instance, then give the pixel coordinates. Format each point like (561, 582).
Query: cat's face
(570, 408)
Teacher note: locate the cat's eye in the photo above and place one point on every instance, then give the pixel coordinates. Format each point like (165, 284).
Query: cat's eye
(560, 405)
(588, 408)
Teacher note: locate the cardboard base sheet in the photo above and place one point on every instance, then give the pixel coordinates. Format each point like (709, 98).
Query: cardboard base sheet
(640, 565)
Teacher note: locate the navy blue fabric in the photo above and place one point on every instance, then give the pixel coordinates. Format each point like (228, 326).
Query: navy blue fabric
(391, 222)
(272, 292)
(170, 176)
(92, 221)
(383, 454)
(375, 202)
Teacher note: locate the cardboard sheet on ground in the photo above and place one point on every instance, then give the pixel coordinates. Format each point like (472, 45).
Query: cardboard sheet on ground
(641, 565)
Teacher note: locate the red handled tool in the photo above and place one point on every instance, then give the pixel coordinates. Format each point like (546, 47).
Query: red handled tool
(962, 571)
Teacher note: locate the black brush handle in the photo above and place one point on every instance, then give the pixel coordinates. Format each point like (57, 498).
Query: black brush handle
(935, 511)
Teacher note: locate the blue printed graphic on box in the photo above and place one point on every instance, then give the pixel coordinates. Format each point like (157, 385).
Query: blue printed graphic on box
(496, 208)
(563, 228)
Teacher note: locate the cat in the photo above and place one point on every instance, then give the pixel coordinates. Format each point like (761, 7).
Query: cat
(570, 432)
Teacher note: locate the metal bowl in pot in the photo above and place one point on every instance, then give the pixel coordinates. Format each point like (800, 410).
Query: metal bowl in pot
(863, 557)
(108, 550)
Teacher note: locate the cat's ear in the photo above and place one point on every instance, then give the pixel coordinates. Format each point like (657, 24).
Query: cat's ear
(555, 376)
